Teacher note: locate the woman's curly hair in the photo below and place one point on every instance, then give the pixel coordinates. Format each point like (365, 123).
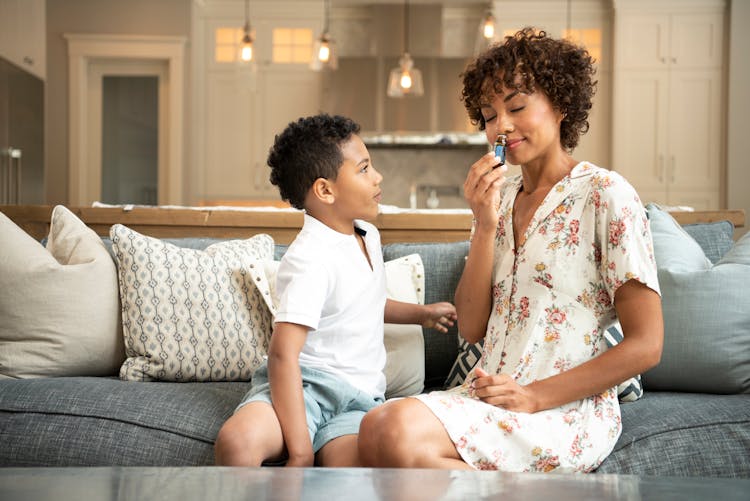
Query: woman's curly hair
(530, 61)
(306, 150)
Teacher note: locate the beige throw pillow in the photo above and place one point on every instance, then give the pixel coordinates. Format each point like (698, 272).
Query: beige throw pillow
(404, 344)
(59, 307)
(191, 315)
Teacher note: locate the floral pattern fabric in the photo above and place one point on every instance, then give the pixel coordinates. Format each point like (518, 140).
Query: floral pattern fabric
(552, 302)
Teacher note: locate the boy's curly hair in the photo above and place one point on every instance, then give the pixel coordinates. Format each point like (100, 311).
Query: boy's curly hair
(562, 70)
(306, 150)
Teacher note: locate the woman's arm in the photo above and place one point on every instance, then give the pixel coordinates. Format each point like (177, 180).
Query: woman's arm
(473, 296)
(439, 316)
(286, 391)
(639, 311)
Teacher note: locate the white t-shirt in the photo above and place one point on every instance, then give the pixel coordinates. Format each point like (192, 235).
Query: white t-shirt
(324, 282)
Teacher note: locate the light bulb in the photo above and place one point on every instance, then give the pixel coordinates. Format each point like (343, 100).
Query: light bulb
(324, 53)
(405, 80)
(246, 50)
(489, 29)
(247, 53)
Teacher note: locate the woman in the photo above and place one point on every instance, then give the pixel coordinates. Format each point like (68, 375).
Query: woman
(557, 255)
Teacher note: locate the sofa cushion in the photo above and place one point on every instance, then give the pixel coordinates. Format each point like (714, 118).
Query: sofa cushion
(443, 265)
(706, 313)
(683, 434)
(714, 238)
(191, 315)
(106, 421)
(59, 306)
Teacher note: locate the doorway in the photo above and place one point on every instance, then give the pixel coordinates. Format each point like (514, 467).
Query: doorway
(103, 70)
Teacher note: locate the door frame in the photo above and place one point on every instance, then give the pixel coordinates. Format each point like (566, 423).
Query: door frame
(89, 58)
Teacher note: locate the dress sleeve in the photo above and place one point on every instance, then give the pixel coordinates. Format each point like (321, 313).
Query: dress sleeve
(623, 236)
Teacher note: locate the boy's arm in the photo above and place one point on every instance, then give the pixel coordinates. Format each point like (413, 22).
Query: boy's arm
(286, 391)
(439, 316)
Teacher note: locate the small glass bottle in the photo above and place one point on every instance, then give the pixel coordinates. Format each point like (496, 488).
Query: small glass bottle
(500, 143)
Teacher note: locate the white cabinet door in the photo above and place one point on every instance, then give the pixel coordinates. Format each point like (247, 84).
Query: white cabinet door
(667, 112)
(288, 94)
(695, 136)
(640, 130)
(230, 145)
(642, 41)
(696, 40)
(23, 34)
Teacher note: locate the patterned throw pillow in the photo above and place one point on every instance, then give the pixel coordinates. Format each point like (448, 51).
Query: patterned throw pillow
(191, 315)
(632, 389)
(469, 354)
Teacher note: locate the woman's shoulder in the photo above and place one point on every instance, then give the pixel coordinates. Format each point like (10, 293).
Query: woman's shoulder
(606, 182)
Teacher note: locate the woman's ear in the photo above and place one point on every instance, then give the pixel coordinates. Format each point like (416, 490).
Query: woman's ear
(323, 191)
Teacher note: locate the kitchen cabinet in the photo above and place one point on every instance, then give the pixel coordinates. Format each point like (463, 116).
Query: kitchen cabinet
(668, 112)
(23, 34)
(241, 107)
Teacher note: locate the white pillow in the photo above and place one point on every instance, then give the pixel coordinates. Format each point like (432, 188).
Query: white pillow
(192, 315)
(59, 306)
(404, 344)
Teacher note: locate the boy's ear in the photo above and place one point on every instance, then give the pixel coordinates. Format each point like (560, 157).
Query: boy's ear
(323, 191)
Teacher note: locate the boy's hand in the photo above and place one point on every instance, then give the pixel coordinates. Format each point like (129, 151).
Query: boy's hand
(301, 460)
(439, 316)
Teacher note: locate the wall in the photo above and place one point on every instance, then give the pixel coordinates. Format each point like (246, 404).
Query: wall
(738, 115)
(142, 17)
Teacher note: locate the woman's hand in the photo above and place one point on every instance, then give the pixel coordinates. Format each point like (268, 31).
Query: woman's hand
(439, 316)
(482, 190)
(501, 390)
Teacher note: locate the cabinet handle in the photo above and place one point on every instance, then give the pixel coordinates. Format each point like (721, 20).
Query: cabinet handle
(28, 60)
(663, 59)
(674, 60)
(671, 169)
(660, 169)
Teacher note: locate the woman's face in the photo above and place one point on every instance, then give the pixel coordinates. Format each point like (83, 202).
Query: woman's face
(529, 121)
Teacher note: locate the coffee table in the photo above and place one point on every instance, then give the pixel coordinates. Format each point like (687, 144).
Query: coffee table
(360, 484)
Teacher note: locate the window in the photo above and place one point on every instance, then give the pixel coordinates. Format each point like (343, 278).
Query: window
(589, 38)
(292, 45)
(227, 44)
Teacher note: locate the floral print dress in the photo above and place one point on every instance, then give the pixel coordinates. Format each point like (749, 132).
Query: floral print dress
(552, 300)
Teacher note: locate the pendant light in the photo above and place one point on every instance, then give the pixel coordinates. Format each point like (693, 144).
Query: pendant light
(487, 33)
(246, 47)
(324, 51)
(488, 26)
(405, 80)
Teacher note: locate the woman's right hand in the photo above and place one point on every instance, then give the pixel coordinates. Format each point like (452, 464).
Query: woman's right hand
(482, 190)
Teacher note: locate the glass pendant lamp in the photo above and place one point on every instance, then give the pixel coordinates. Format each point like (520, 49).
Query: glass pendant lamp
(487, 33)
(246, 46)
(324, 50)
(405, 80)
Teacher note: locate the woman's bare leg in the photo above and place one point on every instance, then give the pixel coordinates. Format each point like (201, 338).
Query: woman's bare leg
(405, 433)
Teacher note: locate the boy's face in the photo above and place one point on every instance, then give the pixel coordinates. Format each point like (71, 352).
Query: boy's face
(357, 186)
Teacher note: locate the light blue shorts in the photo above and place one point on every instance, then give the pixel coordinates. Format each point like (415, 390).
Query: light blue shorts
(334, 407)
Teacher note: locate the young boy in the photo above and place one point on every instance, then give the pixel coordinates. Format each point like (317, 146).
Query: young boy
(326, 357)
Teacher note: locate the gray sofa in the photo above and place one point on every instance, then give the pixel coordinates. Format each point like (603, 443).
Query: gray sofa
(93, 421)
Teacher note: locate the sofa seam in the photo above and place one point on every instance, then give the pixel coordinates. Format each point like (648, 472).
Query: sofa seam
(108, 418)
(678, 429)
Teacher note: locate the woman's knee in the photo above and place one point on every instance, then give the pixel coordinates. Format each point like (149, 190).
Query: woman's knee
(387, 433)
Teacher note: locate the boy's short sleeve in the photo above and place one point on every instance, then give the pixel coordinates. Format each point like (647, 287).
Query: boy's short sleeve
(302, 287)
